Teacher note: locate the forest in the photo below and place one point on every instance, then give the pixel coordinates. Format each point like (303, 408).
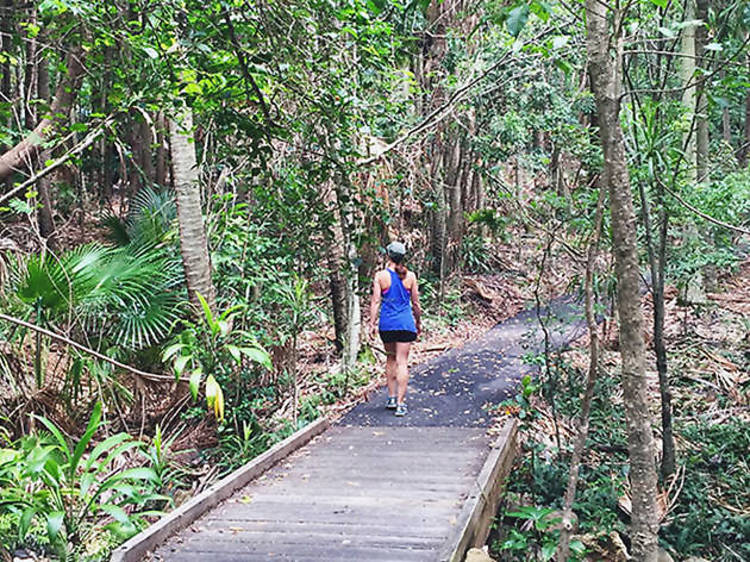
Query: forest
(194, 197)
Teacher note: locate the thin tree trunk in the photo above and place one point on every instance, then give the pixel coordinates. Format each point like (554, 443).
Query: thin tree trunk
(702, 140)
(687, 71)
(726, 123)
(6, 83)
(146, 157)
(66, 91)
(107, 148)
(337, 285)
(657, 293)
(162, 151)
(193, 242)
(745, 148)
(30, 78)
(563, 548)
(668, 447)
(605, 80)
(136, 150)
(46, 221)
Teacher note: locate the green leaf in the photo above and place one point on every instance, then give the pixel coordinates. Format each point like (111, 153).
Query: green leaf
(61, 442)
(517, 19)
(105, 445)
(578, 547)
(171, 350)
(548, 550)
(139, 473)
(116, 512)
(235, 352)
(93, 425)
(54, 524)
(192, 88)
(179, 364)
(195, 382)
(258, 355)
(661, 3)
(714, 47)
(20, 206)
(24, 523)
(207, 314)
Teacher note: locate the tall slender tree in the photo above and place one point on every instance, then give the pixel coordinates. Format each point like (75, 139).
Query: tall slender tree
(193, 241)
(605, 84)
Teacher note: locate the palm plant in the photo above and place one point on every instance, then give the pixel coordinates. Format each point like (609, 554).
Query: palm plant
(127, 295)
(149, 221)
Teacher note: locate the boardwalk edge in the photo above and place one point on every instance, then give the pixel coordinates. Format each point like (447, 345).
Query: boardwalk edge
(475, 519)
(137, 547)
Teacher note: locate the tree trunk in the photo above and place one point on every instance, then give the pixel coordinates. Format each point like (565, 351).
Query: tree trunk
(136, 151)
(46, 221)
(563, 548)
(701, 118)
(146, 157)
(605, 81)
(687, 72)
(193, 242)
(337, 285)
(65, 93)
(162, 151)
(745, 148)
(657, 282)
(30, 78)
(6, 83)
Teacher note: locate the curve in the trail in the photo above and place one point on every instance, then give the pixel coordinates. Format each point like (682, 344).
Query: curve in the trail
(456, 388)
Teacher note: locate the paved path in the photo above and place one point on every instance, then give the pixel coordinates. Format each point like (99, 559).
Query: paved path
(377, 487)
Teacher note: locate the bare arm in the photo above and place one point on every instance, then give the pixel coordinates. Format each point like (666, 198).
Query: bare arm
(415, 307)
(374, 305)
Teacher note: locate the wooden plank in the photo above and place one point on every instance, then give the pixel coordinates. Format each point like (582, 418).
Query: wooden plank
(393, 502)
(239, 541)
(346, 516)
(137, 547)
(479, 509)
(309, 554)
(370, 526)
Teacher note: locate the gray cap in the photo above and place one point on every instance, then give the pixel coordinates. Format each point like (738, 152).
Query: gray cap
(396, 251)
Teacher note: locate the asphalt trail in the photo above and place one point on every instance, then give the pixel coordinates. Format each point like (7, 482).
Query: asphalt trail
(455, 388)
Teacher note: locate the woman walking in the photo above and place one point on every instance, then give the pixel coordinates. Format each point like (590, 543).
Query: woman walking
(400, 321)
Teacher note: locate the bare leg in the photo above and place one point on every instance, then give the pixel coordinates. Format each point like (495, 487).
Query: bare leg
(390, 367)
(402, 371)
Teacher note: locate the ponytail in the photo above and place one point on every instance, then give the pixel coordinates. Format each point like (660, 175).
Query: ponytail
(401, 270)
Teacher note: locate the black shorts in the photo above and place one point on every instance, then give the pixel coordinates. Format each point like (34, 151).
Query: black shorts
(401, 336)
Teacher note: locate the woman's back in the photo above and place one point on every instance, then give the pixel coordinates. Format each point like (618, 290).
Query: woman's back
(395, 311)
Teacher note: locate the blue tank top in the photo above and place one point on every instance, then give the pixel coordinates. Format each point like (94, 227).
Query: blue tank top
(395, 311)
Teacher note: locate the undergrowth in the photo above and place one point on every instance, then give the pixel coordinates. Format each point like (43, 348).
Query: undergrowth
(709, 518)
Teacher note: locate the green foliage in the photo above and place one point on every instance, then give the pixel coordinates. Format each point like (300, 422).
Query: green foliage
(475, 254)
(448, 310)
(122, 295)
(540, 537)
(150, 220)
(73, 489)
(211, 348)
(706, 243)
(708, 517)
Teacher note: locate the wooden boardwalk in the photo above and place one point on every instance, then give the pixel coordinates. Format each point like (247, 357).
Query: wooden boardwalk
(373, 487)
(353, 493)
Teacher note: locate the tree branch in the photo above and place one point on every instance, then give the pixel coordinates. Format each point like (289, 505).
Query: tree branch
(80, 347)
(703, 215)
(88, 141)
